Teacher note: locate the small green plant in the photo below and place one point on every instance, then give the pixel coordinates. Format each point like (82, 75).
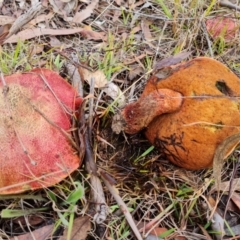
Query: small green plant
(184, 191)
(58, 63)
(165, 9)
(12, 213)
(10, 60)
(127, 16)
(119, 229)
(66, 217)
(143, 155)
(210, 7)
(148, 63)
(129, 44)
(219, 45)
(110, 63)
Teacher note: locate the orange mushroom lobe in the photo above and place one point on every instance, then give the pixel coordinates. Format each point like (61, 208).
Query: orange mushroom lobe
(209, 113)
(189, 131)
(36, 147)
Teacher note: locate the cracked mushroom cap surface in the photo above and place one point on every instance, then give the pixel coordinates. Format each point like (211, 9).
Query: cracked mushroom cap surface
(210, 111)
(36, 148)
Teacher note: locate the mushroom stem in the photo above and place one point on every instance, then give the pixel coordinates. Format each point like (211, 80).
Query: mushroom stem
(136, 116)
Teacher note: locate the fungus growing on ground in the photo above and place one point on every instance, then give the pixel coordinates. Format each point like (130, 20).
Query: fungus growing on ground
(36, 149)
(205, 110)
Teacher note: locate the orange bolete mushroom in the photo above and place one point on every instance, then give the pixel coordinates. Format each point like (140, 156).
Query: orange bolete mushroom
(187, 110)
(36, 148)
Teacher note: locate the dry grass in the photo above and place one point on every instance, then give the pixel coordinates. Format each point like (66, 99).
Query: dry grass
(151, 187)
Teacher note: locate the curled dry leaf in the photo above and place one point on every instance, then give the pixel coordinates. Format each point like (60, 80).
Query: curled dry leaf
(35, 123)
(100, 81)
(75, 77)
(4, 30)
(222, 27)
(84, 14)
(222, 152)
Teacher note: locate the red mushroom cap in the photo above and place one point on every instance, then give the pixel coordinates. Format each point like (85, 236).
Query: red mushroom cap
(35, 122)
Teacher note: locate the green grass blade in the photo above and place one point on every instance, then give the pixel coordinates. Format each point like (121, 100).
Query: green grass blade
(150, 149)
(208, 10)
(10, 213)
(165, 9)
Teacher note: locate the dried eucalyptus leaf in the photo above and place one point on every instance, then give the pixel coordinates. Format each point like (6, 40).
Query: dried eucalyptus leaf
(221, 153)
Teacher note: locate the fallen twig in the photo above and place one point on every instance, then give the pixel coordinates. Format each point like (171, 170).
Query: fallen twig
(205, 32)
(90, 117)
(112, 189)
(97, 191)
(226, 3)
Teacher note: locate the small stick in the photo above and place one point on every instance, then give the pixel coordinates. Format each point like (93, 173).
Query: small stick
(226, 3)
(97, 190)
(90, 118)
(233, 238)
(112, 189)
(208, 39)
